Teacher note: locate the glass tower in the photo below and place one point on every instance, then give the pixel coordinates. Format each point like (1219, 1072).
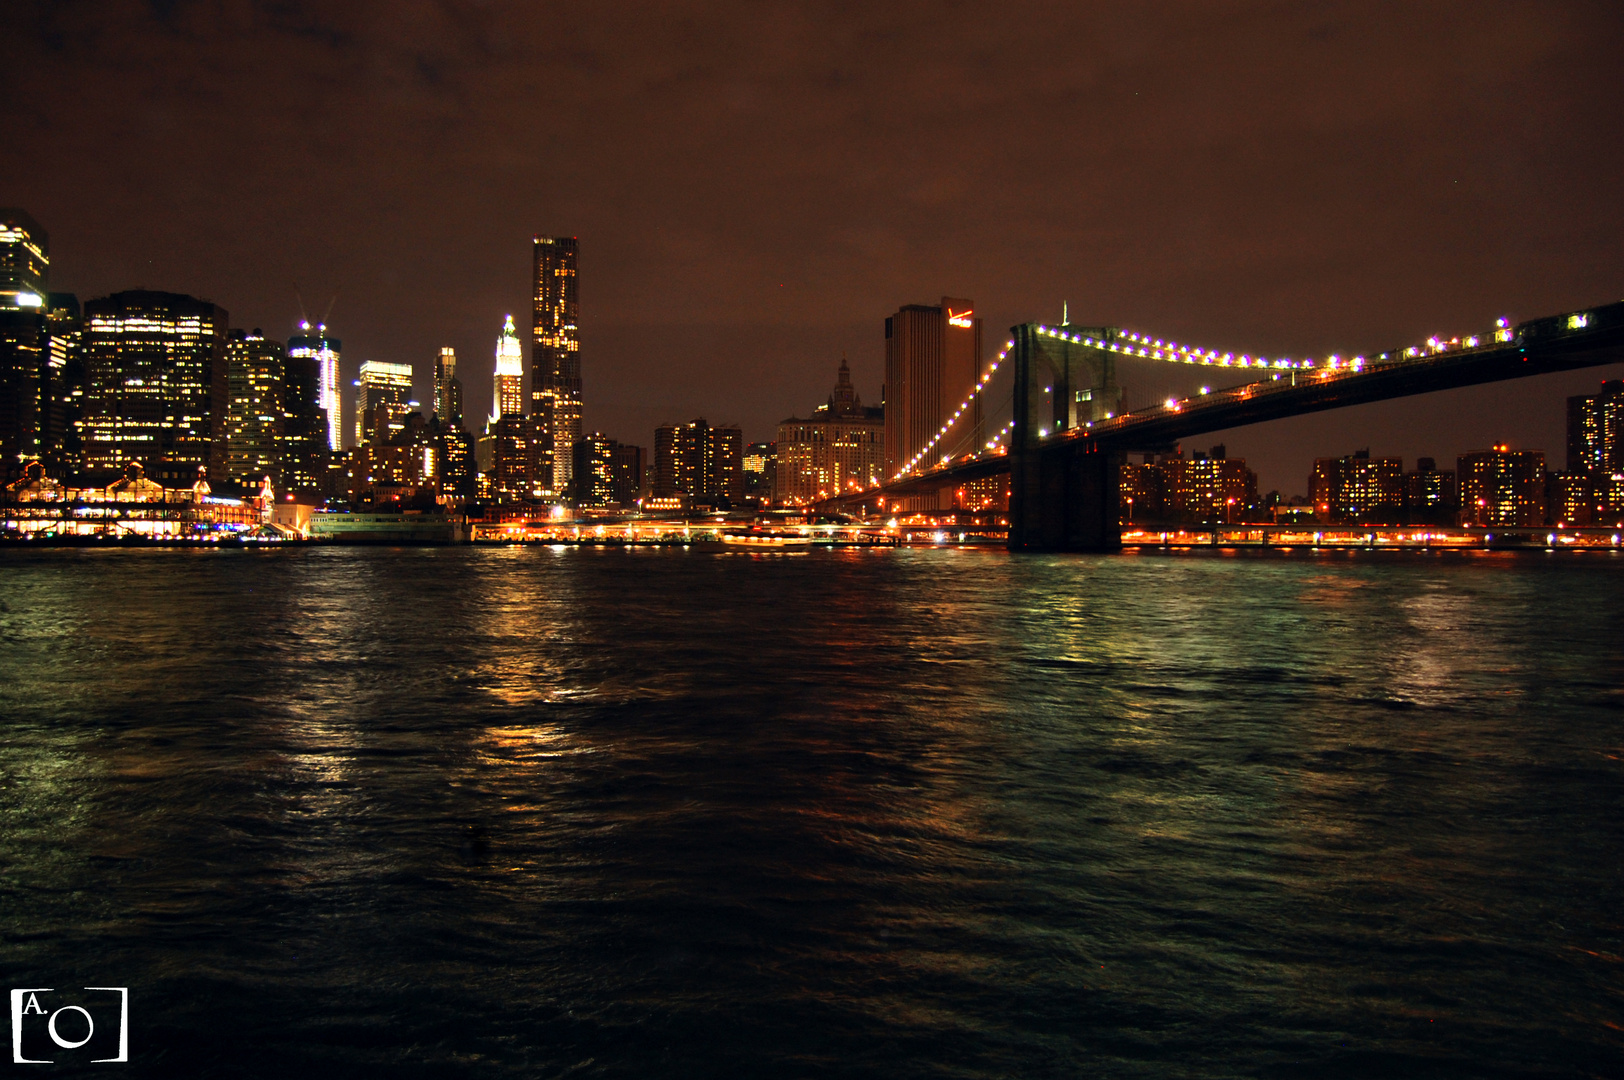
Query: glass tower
(381, 400)
(255, 368)
(156, 391)
(326, 352)
(447, 389)
(24, 341)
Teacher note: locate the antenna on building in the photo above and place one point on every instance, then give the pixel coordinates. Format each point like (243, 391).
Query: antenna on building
(1065, 314)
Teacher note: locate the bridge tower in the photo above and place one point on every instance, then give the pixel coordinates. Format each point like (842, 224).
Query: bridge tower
(1063, 495)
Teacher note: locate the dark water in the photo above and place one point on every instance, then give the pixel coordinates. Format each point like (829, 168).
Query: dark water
(545, 812)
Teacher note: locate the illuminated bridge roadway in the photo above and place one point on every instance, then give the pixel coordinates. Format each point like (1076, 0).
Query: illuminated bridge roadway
(1067, 435)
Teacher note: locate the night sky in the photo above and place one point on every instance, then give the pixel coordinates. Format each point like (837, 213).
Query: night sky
(756, 186)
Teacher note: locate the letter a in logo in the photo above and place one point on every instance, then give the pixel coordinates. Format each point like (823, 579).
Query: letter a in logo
(18, 1011)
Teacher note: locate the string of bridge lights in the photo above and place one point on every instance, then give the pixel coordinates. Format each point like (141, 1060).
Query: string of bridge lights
(958, 412)
(1135, 344)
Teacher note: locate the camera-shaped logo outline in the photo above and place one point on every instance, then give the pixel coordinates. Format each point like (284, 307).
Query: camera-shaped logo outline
(17, 1008)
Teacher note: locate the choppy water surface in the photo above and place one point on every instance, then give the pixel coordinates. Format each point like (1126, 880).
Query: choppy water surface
(544, 812)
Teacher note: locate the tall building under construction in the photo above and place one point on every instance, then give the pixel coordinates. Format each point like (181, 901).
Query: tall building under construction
(555, 353)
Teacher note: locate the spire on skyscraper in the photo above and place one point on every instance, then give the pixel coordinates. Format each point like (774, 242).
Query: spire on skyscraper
(508, 399)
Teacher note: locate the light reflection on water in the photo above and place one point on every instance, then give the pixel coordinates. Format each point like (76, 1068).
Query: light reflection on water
(527, 811)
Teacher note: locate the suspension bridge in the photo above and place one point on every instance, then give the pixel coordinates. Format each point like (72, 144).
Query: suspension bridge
(1080, 398)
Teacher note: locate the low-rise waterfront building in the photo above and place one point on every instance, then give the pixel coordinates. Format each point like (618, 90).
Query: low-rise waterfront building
(1502, 487)
(1358, 489)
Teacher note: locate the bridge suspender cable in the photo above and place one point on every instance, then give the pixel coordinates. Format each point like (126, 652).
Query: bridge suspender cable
(951, 420)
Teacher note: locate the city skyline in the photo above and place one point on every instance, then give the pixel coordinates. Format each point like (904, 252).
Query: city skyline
(409, 377)
(1440, 177)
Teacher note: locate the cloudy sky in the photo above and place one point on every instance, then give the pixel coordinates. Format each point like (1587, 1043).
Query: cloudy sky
(757, 185)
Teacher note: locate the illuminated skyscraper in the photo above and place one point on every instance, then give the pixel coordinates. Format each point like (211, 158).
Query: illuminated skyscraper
(699, 461)
(761, 469)
(447, 389)
(305, 447)
(254, 417)
(594, 470)
(25, 262)
(835, 451)
(156, 389)
(932, 357)
(509, 475)
(507, 395)
(1596, 430)
(555, 355)
(382, 399)
(325, 351)
(62, 385)
(24, 338)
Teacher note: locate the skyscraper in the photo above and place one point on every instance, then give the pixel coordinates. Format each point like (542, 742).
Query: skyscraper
(25, 262)
(629, 466)
(305, 430)
(837, 450)
(700, 461)
(447, 389)
(456, 448)
(761, 469)
(932, 361)
(1596, 448)
(24, 339)
(1596, 430)
(555, 354)
(254, 417)
(509, 477)
(507, 395)
(326, 352)
(155, 386)
(382, 400)
(62, 387)
(594, 470)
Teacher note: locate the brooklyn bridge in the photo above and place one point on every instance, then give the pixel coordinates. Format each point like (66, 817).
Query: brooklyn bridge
(1079, 399)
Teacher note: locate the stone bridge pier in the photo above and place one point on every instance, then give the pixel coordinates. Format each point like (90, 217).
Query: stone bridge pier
(1063, 496)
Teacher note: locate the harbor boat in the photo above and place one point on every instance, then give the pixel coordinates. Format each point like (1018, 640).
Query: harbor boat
(401, 528)
(763, 539)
